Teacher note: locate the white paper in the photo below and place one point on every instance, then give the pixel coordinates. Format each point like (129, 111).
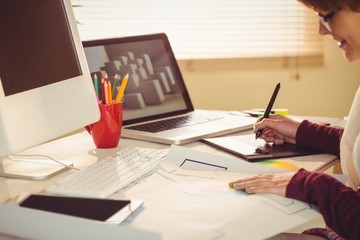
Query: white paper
(195, 202)
(182, 158)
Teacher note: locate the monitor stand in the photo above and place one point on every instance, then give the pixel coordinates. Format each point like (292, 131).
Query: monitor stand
(30, 168)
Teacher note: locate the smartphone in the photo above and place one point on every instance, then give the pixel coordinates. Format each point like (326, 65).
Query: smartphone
(103, 210)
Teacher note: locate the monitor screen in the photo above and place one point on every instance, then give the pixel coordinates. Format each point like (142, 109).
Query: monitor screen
(45, 41)
(45, 84)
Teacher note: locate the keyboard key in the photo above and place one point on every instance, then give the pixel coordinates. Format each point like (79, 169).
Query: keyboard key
(172, 123)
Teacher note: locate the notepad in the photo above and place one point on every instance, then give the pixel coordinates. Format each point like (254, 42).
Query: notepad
(250, 149)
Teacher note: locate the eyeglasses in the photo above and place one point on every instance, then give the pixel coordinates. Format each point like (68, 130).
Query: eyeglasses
(325, 19)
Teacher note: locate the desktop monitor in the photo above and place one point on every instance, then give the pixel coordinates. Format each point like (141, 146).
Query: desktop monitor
(45, 85)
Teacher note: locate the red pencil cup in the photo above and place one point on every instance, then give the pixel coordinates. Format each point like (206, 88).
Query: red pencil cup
(107, 131)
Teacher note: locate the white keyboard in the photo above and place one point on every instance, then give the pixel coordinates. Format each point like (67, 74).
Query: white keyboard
(109, 175)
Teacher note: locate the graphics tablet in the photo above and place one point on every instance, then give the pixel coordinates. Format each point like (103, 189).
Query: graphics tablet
(247, 147)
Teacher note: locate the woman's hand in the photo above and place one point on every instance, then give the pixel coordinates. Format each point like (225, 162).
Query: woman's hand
(272, 183)
(277, 129)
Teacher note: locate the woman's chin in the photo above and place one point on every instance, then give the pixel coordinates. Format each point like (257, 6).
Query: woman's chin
(350, 56)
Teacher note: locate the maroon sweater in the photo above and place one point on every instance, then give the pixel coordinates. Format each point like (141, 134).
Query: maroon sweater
(325, 138)
(339, 204)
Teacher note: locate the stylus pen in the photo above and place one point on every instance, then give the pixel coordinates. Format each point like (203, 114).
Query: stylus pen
(268, 108)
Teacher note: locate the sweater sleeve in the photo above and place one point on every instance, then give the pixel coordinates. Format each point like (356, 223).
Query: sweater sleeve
(339, 204)
(319, 136)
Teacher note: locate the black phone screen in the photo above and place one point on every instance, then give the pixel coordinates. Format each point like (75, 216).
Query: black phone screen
(91, 208)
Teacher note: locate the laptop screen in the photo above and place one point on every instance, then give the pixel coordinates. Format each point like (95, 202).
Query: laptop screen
(155, 87)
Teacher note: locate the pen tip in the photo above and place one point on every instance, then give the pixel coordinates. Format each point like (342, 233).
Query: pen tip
(257, 134)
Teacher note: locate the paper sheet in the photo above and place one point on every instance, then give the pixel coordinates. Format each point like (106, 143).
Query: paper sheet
(193, 201)
(181, 158)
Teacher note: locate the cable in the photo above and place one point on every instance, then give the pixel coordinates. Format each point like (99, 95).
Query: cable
(13, 157)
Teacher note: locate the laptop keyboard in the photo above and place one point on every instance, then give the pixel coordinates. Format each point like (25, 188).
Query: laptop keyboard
(172, 123)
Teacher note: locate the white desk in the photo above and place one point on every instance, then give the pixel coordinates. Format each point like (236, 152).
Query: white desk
(80, 149)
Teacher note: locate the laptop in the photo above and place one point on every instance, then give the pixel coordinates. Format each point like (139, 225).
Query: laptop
(156, 98)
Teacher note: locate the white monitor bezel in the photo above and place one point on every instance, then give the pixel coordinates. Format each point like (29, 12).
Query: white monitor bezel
(42, 114)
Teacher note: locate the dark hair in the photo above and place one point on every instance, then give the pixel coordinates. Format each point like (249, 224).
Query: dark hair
(332, 5)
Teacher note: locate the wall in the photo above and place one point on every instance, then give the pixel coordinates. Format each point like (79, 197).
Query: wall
(322, 90)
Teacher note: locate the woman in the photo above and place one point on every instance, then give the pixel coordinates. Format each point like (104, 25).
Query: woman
(339, 204)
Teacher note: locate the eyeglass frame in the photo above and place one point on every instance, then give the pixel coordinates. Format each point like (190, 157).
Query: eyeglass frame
(324, 19)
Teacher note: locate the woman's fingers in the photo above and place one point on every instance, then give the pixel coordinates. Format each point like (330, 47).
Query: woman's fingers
(271, 183)
(278, 189)
(251, 182)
